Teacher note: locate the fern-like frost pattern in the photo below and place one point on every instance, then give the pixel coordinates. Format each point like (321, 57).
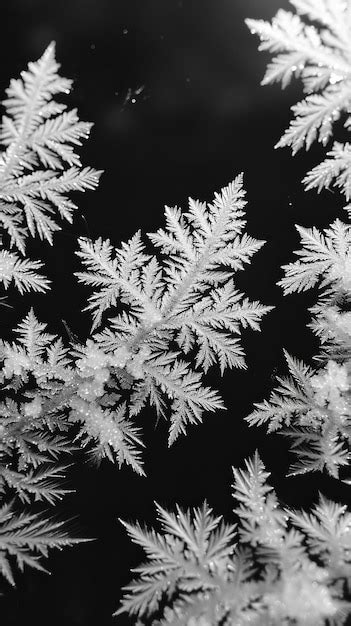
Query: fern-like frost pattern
(314, 44)
(286, 569)
(39, 166)
(184, 297)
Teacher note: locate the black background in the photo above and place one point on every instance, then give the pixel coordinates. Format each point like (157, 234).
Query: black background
(199, 118)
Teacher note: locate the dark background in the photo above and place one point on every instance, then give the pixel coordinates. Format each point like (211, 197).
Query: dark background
(173, 90)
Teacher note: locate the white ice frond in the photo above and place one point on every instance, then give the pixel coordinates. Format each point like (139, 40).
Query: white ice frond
(318, 451)
(328, 530)
(313, 410)
(195, 575)
(42, 484)
(188, 396)
(335, 169)
(115, 437)
(23, 272)
(192, 545)
(117, 278)
(36, 351)
(182, 297)
(32, 337)
(293, 396)
(327, 256)
(26, 537)
(39, 165)
(250, 487)
(314, 118)
(315, 45)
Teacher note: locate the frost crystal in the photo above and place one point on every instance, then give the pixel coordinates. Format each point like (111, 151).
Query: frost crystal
(321, 57)
(39, 165)
(195, 564)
